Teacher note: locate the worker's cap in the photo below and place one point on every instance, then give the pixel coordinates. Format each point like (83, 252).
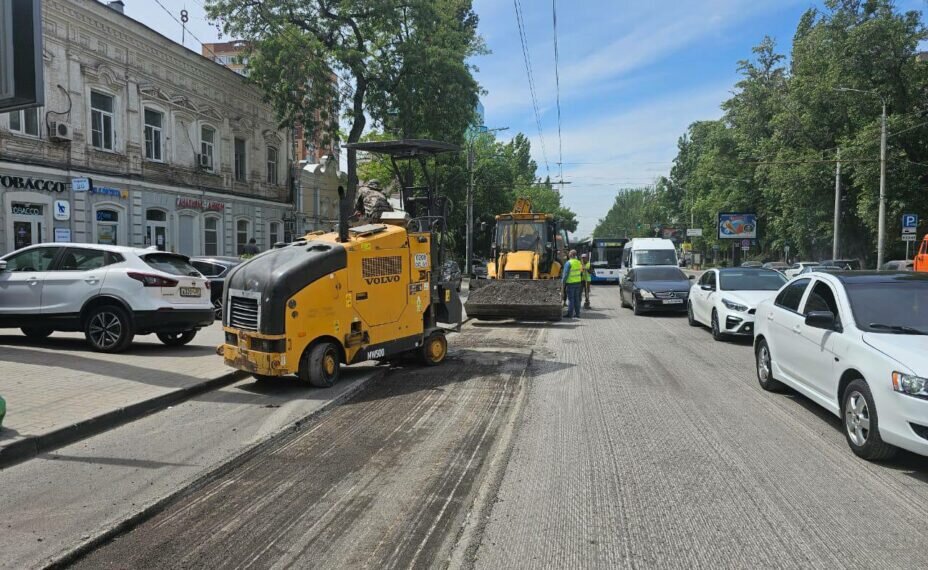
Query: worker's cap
(375, 184)
(584, 255)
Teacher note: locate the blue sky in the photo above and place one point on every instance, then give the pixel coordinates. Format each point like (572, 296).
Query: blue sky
(633, 76)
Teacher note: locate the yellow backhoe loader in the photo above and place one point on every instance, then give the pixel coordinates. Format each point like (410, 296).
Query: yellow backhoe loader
(523, 280)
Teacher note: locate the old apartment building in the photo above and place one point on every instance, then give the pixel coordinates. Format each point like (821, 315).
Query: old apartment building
(141, 142)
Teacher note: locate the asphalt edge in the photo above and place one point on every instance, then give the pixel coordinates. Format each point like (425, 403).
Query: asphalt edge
(467, 542)
(29, 447)
(82, 549)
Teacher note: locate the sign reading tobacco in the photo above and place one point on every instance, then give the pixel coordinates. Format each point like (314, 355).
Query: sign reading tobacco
(198, 204)
(20, 183)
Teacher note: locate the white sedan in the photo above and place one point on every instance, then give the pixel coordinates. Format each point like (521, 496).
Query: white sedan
(857, 345)
(797, 268)
(725, 299)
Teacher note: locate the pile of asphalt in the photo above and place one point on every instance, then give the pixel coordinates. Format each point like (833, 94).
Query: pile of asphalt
(517, 292)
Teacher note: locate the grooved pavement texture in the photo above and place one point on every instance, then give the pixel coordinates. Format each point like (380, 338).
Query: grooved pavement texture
(644, 443)
(60, 381)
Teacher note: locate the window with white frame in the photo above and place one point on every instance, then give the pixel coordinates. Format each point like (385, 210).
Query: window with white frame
(102, 131)
(242, 231)
(275, 233)
(25, 122)
(240, 160)
(154, 135)
(208, 145)
(211, 232)
(271, 165)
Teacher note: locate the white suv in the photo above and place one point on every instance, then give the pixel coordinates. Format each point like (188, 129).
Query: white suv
(110, 293)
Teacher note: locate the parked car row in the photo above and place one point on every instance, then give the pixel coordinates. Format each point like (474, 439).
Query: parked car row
(109, 293)
(854, 342)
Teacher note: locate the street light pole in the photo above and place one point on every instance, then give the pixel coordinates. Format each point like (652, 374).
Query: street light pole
(881, 224)
(834, 248)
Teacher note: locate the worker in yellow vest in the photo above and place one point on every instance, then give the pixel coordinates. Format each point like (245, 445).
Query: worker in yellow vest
(587, 274)
(572, 277)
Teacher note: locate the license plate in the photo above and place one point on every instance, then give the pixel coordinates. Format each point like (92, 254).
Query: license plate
(673, 301)
(190, 291)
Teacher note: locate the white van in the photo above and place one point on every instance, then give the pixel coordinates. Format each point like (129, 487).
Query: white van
(641, 252)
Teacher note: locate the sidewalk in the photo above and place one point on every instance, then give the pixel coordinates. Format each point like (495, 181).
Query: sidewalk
(57, 388)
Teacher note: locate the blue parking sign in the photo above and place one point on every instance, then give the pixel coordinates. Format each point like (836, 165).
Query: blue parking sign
(910, 220)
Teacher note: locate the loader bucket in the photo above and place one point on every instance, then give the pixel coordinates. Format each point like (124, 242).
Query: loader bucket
(522, 299)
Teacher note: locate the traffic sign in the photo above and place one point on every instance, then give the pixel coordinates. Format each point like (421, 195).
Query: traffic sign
(909, 237)
(745, 244)
(80, 184)
(909, 221)
(694, 232)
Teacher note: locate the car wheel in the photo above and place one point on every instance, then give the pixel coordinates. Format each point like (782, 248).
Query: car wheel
(635, 308)
(622, 299)
(320, 365)
(217, 305)
(690, 317)
(862, 425)
(765, 368)
(717, 333)
(434, 349)
(108, 329)
(178, 338)
(37, 333)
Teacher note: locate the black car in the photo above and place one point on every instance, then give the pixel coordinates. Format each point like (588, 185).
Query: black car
(215, 269)
(478, 269)
(655, 288)
(451, 273)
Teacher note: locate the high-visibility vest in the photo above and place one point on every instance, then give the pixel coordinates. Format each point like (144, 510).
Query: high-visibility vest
(587, 274)
(575, 268)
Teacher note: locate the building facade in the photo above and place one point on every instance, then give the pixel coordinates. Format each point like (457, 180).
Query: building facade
(141, 142)
(311, 149)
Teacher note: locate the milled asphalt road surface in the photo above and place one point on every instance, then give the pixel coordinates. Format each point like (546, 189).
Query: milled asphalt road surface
(634, 441)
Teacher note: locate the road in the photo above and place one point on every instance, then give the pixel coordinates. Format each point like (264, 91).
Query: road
(631, 441)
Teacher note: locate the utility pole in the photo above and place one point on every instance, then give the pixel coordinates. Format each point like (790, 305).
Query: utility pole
(881, 225)
(834, 248)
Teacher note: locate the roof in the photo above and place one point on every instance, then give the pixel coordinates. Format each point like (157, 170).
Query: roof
(856, 277)
(756, 269)
(406, 148)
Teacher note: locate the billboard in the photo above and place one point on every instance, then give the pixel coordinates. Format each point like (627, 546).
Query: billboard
(737, 226)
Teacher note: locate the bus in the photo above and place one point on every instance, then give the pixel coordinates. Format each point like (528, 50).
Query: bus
(605, 257)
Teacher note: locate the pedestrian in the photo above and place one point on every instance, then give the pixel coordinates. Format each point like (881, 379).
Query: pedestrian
(587, 279)
(371, 203)
(573, 278)
(251, 248)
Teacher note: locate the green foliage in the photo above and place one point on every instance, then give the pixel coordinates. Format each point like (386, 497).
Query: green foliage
(774, 150)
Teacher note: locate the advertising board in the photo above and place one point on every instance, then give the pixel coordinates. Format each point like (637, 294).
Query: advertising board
(737, 226)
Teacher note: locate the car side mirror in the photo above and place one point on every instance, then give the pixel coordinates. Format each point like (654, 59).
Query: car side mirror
(821, 320)
(708, 288)
(692, 277)
(2, 265)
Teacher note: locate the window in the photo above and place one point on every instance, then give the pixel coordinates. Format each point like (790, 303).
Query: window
(897, 302)
(153, 135)
(207, 269)
(821, 298)
(240, 157)
(38, 259)
(791, 295)
(107, 227)
(210, 236)
(242, 230)
(101, 121)
(271, 165)
(170, 263)
(25, 122)
(750, 280)
(274, 233)
(207, 145)
(655, 257)
(75, 259)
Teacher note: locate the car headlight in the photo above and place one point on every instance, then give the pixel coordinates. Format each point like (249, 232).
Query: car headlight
(645, 294)
(734, 306)
(910, 385)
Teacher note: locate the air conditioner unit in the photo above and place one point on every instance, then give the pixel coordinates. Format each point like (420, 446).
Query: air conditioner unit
(60, 132)
(205, 161)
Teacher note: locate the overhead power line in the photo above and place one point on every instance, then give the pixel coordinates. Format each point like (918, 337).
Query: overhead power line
(557, 91)
(173, 17)
(526, 57)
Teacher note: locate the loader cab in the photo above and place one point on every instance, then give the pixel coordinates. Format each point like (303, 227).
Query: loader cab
(535, 233)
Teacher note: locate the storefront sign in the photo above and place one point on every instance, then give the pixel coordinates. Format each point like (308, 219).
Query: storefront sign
(62, 210)
(114, 192)
(198, 204)
(26, 210)
(20, 183)
(62, 235)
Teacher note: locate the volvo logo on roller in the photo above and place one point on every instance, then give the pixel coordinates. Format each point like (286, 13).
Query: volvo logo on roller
(382, 280)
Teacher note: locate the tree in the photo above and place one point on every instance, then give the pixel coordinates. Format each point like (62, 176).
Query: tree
(402, 63)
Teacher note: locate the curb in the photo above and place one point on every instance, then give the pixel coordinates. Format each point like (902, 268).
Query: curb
(127, 524)
(30, 447)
